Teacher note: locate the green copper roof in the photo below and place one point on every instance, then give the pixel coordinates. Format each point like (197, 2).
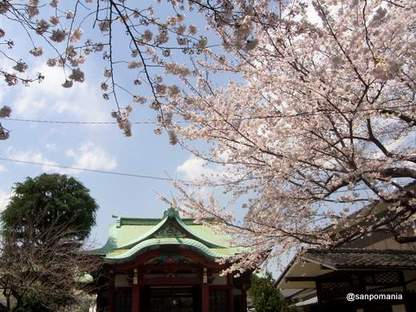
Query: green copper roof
(130, 236)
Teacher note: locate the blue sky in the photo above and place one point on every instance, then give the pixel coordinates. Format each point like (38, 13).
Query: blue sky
(96, 147)
(101, 147)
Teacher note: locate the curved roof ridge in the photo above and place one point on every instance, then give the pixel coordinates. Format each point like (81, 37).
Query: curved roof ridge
(145, 235)
(190, 231)
(128, 254)
(170, 213)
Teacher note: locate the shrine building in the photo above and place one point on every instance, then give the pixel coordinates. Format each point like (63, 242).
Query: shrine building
(170, 265)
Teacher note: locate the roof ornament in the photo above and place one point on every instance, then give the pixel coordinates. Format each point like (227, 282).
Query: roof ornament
(171, 213)
(118, 220)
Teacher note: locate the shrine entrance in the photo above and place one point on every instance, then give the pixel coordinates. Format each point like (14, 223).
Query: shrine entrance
(168, 265)
(171, 299)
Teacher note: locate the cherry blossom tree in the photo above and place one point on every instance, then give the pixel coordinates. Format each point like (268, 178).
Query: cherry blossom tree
(4, 112)
(320, 124)
(308, 104)
(119, 34)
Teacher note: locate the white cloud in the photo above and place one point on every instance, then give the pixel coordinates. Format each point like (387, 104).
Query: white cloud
(89, 156)
(208, 179)
(35, 157)
(198, 169)
(50, 147)
(195, 168)
(4, 199)
(47, 98)
(3, 168)
(92, 156)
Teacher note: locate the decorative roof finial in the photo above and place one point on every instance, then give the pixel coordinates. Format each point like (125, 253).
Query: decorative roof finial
(171, 213)
(118, 220)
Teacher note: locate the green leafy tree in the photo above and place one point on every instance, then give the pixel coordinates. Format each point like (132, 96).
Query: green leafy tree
(265, 296)
(44, 227)
(53, 200)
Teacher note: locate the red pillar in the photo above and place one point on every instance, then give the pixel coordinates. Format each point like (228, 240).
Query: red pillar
(205, 291)
(205, 298)
(135, 296)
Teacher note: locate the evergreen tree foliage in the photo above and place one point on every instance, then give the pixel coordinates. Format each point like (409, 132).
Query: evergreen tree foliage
(265, 296)
(52, 200)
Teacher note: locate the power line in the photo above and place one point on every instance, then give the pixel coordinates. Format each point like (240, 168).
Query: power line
(74, 122)
(131, 175)
(125, 174)
(150, 122)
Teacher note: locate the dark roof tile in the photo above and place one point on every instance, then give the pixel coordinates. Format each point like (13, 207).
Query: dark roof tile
(354, 258)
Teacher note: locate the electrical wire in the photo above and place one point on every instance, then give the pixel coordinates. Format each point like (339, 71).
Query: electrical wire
(125, 174)
(74, 122)
(150, 122)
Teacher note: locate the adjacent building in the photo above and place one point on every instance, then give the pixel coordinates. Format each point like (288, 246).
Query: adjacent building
(374, 274)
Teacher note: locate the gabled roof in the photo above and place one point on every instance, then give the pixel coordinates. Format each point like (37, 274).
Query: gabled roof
(131, 236)
(357, 258)
(315, 262)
